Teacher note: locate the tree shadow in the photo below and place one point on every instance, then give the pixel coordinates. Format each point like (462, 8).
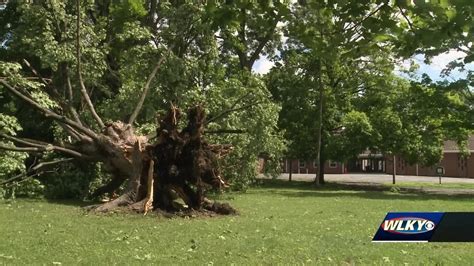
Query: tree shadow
(72, 202)
(368, 191)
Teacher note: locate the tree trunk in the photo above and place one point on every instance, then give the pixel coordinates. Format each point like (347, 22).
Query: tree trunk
(291, 170)
(320, 125)
(322, 163)
(394, 169)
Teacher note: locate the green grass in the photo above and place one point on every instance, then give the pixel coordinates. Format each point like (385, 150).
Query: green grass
(280, 222)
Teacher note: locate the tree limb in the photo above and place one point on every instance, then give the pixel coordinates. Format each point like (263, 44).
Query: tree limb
(49, 113)
(35, 72)
(39, 147)
(84, 93)
(233, 105)
(21, 149)
(406, 18)
(364, 19)
(32, 172)
(55, 95)
(263, 42)
(146, 88)
(228, 111)
(225, 131)
(72, 110)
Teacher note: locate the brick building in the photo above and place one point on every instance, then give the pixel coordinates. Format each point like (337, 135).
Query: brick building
(454, 163)
(309, 167)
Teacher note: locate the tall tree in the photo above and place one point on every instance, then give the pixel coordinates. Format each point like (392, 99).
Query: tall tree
(335, 79)
(334, 42)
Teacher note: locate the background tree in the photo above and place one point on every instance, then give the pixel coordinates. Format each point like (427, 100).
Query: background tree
(335, 79)
(332, 45)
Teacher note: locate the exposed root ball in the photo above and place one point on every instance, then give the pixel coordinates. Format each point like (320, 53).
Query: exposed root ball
(170, 175)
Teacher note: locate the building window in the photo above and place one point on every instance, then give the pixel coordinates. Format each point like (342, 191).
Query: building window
(302, 164)
(315, 164)
(332, 164)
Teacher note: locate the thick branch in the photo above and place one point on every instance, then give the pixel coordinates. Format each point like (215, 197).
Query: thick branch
(406, 18)
(21, 149)
(84, 93)
(72, 132)
(110, 187)
(263, 42)
(49, 113)
(72, 110)
(55, 95)
(225, 131)
(364, 19)
(228, 111)
(36, 73)
(32, 172)
(37, 147)
(146, 88)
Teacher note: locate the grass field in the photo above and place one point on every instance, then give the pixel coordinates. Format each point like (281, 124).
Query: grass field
(279, 223)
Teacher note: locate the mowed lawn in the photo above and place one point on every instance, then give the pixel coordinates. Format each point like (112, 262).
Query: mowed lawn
(278, 223)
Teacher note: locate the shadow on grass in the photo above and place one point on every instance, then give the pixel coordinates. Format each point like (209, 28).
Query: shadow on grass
(72, 202)
(69, 202)
(307, 189)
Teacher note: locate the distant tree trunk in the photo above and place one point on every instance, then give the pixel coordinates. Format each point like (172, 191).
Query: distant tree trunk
(320, 125)
(394, 169)
(291, 170)
(322, 163)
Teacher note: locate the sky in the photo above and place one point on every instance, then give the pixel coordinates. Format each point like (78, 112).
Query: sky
(438, 63)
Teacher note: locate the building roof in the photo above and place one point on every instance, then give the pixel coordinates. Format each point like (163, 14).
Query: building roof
(452, 146)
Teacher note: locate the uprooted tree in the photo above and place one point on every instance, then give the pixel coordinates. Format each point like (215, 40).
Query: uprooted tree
(179, 164)
(84, 73)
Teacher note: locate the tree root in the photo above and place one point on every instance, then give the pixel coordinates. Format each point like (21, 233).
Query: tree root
(173, 174)
(122, 201)
(148, 205)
